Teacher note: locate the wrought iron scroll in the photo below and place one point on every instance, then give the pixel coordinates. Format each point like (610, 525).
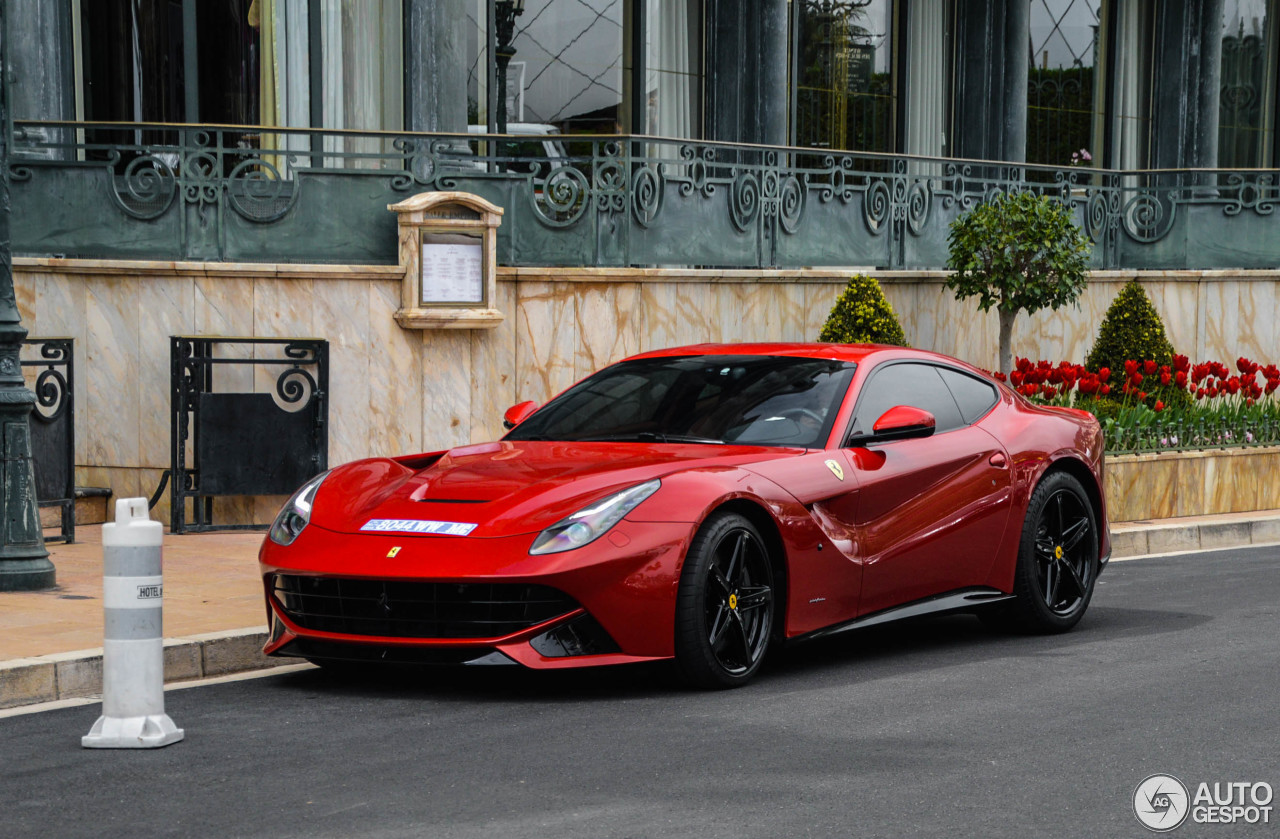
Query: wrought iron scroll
(53, 430)
(222, 192)
(243, 443)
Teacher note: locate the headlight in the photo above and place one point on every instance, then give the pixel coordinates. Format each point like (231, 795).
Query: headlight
(590, 523)
(296, 512)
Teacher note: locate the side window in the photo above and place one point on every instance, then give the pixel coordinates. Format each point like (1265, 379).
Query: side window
(917, 385)
(974, 396)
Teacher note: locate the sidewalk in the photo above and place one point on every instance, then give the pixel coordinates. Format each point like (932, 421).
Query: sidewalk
(214, 617)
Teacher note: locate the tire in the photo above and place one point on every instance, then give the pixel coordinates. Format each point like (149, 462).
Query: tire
(725, 606)
(1057, 559)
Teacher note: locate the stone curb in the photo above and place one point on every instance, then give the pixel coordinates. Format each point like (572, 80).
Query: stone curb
(1171, 536)
(46, 678)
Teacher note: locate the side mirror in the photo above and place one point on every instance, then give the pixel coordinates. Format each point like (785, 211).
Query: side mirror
(902, 422)
(517, 414)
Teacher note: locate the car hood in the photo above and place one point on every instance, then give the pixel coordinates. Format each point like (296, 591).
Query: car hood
(507, 488)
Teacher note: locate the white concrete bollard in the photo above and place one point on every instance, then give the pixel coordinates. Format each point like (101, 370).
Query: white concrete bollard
(133, 714)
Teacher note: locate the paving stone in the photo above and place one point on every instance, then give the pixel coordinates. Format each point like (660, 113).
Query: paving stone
(26, 681)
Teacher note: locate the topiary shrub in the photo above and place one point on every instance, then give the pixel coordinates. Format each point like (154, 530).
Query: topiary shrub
(862, 315)
(1131, 330)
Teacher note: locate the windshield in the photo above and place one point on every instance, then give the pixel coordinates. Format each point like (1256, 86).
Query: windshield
(740, 399)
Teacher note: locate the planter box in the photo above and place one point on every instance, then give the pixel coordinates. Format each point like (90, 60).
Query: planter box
(1174, 484)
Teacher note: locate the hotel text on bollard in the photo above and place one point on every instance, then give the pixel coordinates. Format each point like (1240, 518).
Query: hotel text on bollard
(133, 714)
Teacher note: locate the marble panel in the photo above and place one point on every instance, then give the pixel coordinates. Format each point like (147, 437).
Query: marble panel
(904, 298)
(59, 312)
(1222, 320)
(112, 389)
(493, 370)
(446, 388)
(224, 306)
(1268, 485)
(677, 314)
(1258, 338)
(1124, 491)
(342, 319)
(166, 307)
(282, 308)
(819, 299)
(788, 312)
(395, 377)
(546, 340)
(24, 292)
(1190, 498)
(609, 321)
(731, 313)
(1155, 489)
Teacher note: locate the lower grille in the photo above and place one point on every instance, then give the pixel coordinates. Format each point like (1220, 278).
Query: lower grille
(403, 609)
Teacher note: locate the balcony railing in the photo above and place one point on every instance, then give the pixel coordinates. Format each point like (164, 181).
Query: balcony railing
(235, 193)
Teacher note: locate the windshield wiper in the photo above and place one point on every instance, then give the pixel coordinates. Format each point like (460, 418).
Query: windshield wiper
(652, 436)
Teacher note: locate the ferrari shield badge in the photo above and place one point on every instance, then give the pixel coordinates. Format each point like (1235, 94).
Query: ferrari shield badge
(836, 469)
(392, 553)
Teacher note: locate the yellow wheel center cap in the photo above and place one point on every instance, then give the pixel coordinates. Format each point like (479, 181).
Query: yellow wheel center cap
(733, 601)
(1057, 552)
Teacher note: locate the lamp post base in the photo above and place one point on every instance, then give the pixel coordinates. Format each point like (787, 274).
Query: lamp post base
(27, 574)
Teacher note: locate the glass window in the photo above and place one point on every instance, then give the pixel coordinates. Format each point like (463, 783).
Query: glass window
(974, 396)
(745, 400)
(567, 68)
(1061, 95)
(1246, 122)
(917, 385)
(841, 77)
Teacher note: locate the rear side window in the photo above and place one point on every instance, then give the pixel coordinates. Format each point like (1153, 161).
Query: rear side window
(974, 396)
(917, 385)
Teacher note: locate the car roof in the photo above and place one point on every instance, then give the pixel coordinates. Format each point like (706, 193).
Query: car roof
(839, 352)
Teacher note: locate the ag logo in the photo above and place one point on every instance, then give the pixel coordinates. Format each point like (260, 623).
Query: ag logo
(836, 470)
(1161, 803)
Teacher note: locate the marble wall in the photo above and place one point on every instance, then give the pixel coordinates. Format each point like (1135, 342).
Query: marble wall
(1175, 484)
(396, 390)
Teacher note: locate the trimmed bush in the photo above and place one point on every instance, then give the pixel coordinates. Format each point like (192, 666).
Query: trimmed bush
(1131, 330)
(862, 315)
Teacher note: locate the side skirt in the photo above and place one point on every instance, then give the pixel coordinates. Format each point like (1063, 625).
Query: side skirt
(954, 601)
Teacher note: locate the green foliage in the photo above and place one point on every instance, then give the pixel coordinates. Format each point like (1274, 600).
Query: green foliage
(862, 315)
(1020, 252)
(1131, 330)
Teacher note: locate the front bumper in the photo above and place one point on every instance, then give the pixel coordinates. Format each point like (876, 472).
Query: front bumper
(618, 606)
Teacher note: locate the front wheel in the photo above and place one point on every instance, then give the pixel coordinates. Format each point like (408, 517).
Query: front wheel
(1057, 557)
(725, 605)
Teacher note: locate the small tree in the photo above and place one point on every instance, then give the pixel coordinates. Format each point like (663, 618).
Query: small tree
(862, 315)
(1017, 252)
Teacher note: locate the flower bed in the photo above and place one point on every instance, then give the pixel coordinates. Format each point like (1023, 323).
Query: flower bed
(1150, 407)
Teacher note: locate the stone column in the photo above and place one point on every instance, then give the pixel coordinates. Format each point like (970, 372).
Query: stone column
(1187, 75)
(435, 60)
(42, 76)
(989, 115)
(746, 66)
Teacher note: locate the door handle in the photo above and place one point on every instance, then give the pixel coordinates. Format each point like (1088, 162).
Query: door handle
(998, 460)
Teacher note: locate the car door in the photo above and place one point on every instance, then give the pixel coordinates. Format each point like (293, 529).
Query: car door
(930, 510)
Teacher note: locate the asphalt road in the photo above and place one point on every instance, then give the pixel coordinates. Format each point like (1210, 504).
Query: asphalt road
(935, 728)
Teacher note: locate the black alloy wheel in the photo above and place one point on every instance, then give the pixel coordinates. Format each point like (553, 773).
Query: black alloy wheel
(1057, 558)
(725, 605)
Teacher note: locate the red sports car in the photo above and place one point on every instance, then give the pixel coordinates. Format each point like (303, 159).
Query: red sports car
(701, 504)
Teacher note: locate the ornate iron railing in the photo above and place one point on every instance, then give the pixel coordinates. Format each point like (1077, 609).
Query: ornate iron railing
(1197, 434)
(112, 190)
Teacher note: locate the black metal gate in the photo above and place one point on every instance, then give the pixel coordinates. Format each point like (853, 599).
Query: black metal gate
(244, 443)
(53, 430)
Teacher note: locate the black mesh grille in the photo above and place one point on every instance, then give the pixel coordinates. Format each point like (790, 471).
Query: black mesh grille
(400, 609)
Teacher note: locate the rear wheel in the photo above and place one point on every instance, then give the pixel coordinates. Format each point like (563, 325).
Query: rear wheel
(1057, 558)
(725, 605)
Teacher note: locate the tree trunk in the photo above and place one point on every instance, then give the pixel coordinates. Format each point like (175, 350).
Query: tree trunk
(1006, 340)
